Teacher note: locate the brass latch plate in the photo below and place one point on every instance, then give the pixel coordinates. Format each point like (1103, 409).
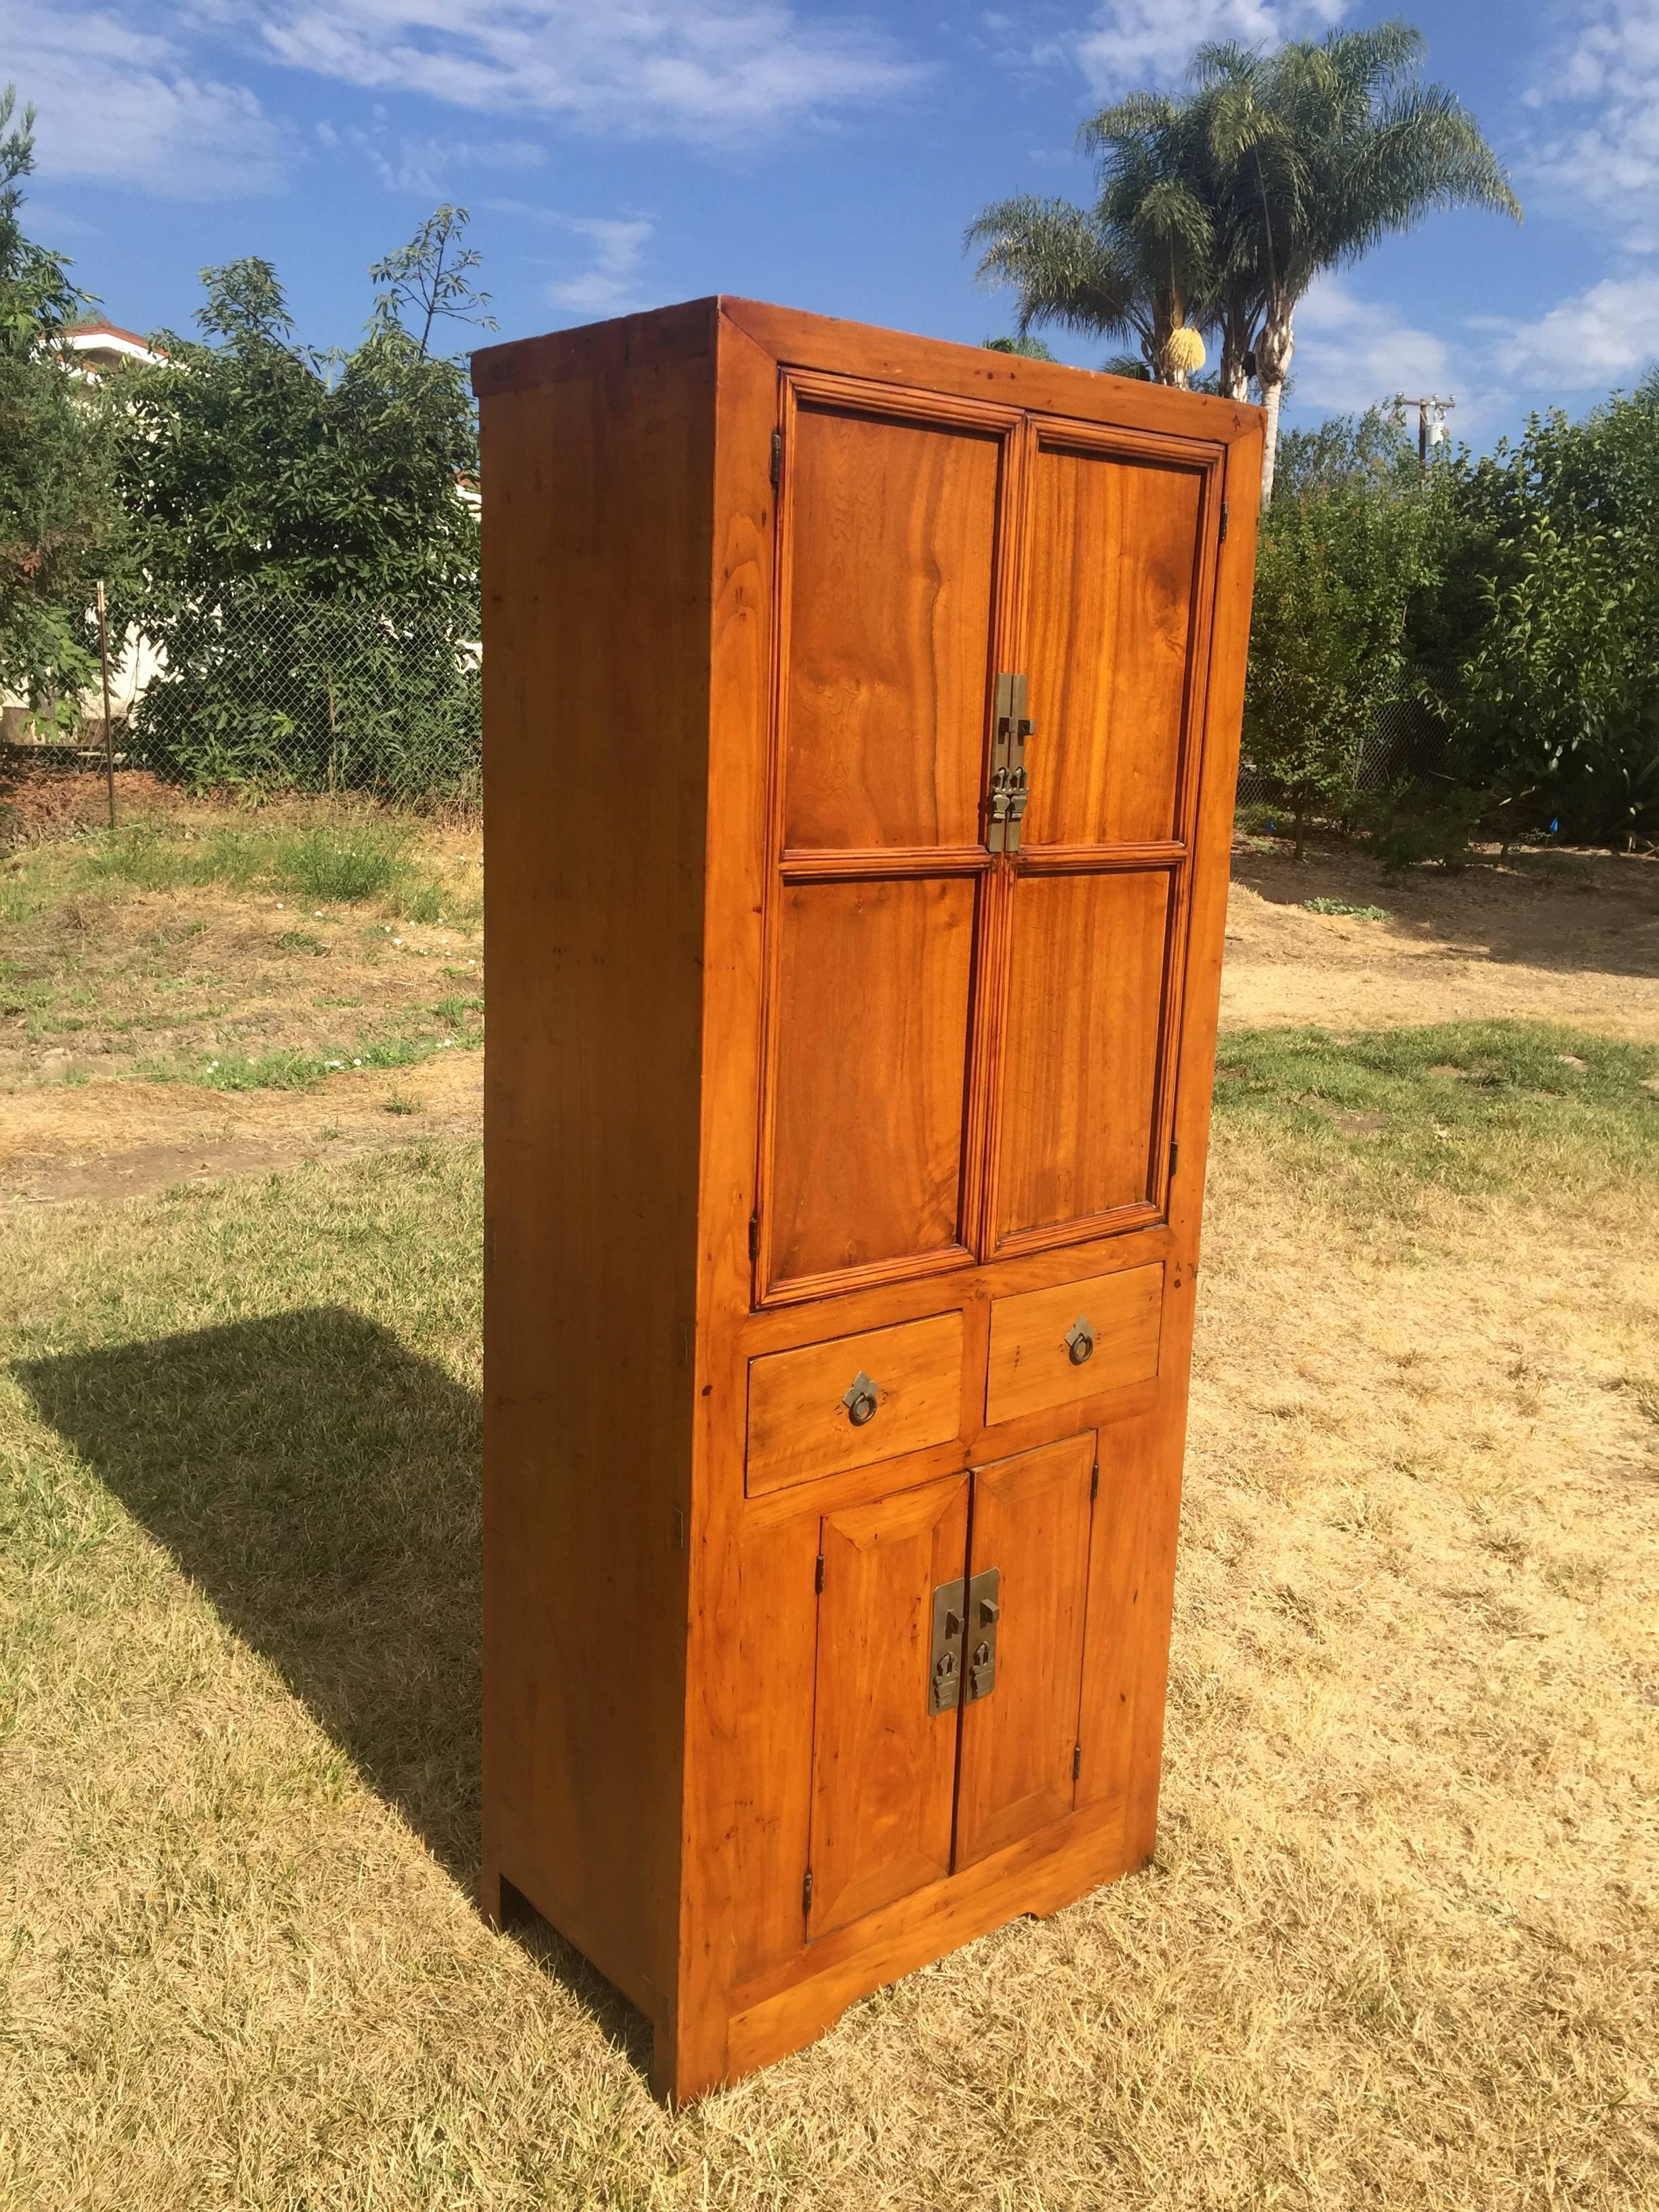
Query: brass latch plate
(944, 1654)
(984, 1613)
(1004, 802)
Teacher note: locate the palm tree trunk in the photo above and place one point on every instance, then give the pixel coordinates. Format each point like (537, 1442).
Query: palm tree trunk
(1272, 394)
(1272, 363)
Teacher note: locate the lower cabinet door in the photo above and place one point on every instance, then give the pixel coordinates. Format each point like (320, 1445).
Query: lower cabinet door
(883, 1762)
(1022, 1658)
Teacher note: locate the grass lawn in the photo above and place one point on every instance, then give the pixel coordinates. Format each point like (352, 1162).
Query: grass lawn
(238, 952)
(1399, 1946)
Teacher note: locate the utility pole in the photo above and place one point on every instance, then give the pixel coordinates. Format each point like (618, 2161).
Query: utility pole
(1429, 434)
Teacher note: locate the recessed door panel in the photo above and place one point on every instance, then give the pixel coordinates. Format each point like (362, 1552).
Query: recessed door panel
(1080, 1048)
(1019, 1741)
(892, 538)
(872, 1012)
(884, 1764)
(1113, 567)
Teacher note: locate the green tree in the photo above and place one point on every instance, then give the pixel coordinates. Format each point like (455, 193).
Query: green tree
(433, 274)
(1350, 544)
(1139, 265)
(1027, 349)
(1317, 152)
(60, 526)
(1542, 644)
(305, 562)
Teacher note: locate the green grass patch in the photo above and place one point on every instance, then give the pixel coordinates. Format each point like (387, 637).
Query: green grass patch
(1347, 906)
(341, 863)
(299, 1071)
(1466, 1108)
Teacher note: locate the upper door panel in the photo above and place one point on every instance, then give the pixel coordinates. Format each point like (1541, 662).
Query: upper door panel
(892, 542)
(1113, 565)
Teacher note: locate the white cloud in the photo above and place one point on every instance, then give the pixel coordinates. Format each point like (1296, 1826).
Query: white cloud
(1131, 42)
(1351, 353)
(608, 286)
(1604, 336)
(1596, 99)
(428, 166)
(696, 68)
(122, 104)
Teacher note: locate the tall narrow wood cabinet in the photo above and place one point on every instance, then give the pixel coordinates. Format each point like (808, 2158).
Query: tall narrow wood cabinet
(861, 719)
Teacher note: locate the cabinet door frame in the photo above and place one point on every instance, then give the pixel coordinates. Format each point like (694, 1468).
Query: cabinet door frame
(1024, 435)
(784, 869)
(1208, 460)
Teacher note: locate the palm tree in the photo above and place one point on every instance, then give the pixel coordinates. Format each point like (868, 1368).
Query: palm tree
(1140, 265)
(1317, 152)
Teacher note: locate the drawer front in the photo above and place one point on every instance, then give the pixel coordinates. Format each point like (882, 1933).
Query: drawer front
(1051, 1347)
(827, 1407)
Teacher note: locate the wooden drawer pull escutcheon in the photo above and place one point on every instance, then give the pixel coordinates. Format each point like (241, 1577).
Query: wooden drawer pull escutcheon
(1080, 1340)
(860, 1400)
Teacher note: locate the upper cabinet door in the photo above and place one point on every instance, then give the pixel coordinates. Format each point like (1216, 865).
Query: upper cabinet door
(1120, 534)
(1113, 597)
(891, 548)
(891, 582)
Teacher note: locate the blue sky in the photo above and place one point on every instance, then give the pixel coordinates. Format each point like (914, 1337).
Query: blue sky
(622, 156)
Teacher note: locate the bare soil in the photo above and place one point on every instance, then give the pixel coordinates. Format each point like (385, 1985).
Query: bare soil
(1554, 936)
(103, 987)
(116, 1139)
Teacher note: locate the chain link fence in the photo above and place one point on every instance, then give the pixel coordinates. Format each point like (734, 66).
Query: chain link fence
(1407, 741)
(262, 693)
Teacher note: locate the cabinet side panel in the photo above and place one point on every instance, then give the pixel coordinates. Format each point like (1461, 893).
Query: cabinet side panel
(596, 592)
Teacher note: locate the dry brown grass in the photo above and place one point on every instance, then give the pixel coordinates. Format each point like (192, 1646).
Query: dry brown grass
(1399, 1947)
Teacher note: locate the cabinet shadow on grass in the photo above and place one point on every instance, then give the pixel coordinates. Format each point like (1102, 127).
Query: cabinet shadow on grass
(320, 1483)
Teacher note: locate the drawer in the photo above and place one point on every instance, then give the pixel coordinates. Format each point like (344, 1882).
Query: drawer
(1077, 1340)
(801, 1423)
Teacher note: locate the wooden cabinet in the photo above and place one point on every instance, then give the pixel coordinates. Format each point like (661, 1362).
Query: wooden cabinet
(861, 722)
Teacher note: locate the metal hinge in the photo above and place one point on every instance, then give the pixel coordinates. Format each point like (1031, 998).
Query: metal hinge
(1224, 517)
(1094, 1482)
(1175, 1156)
(754, 1238)
(1004, 802)
(806, 1893)
(1077, 1760)
(817, 1574)
(777, 461)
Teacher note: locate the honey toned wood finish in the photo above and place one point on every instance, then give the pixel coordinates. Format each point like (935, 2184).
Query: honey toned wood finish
(800, 1423)
(1019, 1744)
(1034, 1363)
(814, 1120)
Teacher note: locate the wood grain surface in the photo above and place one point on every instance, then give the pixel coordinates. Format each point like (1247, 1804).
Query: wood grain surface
(1114, 566)
(872, 1016)
(884, 1766)
(800, 1426)
(1080, 1052)
(891, 540)
(1030, 1365)
(1030, 1522)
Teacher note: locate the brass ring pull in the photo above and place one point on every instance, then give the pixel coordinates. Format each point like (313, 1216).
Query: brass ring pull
(860, 1400)
(1080, 1340)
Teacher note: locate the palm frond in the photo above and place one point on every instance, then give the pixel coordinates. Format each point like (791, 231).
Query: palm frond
(1063, 269)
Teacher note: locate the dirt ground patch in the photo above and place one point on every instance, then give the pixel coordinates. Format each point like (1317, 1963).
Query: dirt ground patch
(120, 1139)
(1565, 937)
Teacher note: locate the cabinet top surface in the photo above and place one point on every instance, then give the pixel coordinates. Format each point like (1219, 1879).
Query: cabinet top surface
(794, 339)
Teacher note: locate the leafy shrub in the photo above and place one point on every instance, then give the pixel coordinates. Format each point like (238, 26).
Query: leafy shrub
(1408, 825)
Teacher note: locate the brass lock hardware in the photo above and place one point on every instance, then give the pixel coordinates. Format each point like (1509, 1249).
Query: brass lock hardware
(860, 1400)
(1005, 800)
(1080, 1340)
(984, 1612)
(944, 1656)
